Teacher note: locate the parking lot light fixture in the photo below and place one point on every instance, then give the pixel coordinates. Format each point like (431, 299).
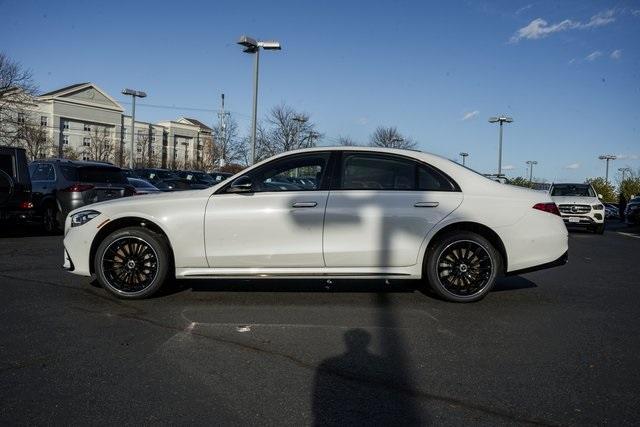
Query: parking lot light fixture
(501, 120)
(531, 163)
(253, 46)
(134, 94)
(464, 158)
(607, 158)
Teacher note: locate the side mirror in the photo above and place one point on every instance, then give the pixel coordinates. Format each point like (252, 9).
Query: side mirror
(599, 196)
(241, 185)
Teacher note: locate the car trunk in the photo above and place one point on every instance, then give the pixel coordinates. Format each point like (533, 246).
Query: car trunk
(102, 183)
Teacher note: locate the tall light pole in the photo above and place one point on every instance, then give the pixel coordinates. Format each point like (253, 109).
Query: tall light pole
(134, 94)
(607, 157)
(501, 120)
(531, 163)
(300, 120)
(464, 158)
(253, 46)
(624, 170)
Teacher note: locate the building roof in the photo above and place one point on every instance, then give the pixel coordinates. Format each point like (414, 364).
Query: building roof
(197, 123)
(64, 89)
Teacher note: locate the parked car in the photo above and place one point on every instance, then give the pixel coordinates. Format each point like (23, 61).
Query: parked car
(15, 185)
(167, 180)
(62, 185)
(219, 176)
(196, 177)
(143, 186)
(611, 211)
(579, 205)
(373, 213)
(632, 212)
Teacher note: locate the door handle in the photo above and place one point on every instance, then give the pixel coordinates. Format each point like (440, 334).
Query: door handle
(426, 204)
(305, 204)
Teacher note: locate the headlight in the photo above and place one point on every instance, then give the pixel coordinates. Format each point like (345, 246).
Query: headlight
(83, 217)
(597, 207)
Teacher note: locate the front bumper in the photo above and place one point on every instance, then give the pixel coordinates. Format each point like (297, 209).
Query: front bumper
(581, 220)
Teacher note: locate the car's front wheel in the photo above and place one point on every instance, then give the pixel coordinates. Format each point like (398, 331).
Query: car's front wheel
(132, 263)
(462, 266)
(599, 229)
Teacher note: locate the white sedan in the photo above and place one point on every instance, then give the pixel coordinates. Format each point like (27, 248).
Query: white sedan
(324, 213)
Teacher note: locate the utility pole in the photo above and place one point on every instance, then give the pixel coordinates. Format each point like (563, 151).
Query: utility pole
(607, 157)
(464, 158)
(531, 163)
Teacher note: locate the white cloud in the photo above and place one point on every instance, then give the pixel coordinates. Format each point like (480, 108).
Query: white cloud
(508, 167)
(627, 157)
(616, 54)
(539, 28)
(635, 12)
(572, 60)
(593, 55)
(599, 19)
(470, 115)
(524, 8)
(572, 166)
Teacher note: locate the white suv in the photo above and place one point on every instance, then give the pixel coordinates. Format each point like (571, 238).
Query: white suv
(579, 206)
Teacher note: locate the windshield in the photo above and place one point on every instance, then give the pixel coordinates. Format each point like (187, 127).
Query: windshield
(578, 190)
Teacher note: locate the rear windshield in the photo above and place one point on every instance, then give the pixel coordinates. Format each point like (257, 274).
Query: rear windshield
(140, 183)
(580, 190)
(101, 174)
(6, 164)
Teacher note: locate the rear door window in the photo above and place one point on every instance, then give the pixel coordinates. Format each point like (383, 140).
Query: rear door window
(42, 172)
(6, 164)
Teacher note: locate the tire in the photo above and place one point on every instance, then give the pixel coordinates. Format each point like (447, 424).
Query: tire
(132, 263)
(466, 278)
(599, 229)
(50, 221)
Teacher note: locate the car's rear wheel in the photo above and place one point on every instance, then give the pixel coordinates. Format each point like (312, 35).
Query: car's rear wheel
(462, 266)
(50, 219)
(132, 263)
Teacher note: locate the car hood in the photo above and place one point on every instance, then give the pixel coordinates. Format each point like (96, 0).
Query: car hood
(574, 200)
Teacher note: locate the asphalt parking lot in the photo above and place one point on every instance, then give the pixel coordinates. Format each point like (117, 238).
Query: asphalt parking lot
(554, 347)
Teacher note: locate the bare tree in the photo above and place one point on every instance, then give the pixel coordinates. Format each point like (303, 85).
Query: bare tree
(347, 141)
(34, 139)
(16, 98)
(285, 130)
(101, 147)
(147, 156)
(70, 153)
(390, 137)
(228, 147)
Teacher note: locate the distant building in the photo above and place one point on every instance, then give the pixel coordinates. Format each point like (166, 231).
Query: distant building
(83, 121)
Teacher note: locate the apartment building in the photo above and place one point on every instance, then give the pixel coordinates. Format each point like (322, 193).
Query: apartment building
(83, 121)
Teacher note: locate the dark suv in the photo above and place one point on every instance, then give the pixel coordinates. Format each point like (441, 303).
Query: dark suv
(15, 185)
(60, 186)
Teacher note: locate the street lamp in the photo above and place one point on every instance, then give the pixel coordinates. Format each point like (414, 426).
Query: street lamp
(501, 120)
(624, 170)
(531, 163)
(607, 157)
(464, 157)
(253, 46)
(134, 94)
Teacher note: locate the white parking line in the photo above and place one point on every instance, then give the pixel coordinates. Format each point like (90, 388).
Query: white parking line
(629, 234)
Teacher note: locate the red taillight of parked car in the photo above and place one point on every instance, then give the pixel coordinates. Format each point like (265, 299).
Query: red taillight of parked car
(547, 207)
(77, 188)
(25, 204)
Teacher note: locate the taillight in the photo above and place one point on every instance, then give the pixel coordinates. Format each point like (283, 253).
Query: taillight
(26, 205)
(547, 207)
(77, 188)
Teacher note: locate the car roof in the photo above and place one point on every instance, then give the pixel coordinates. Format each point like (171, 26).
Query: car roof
(77, 163)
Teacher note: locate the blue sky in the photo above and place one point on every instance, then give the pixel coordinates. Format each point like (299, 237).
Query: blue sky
(568, 72)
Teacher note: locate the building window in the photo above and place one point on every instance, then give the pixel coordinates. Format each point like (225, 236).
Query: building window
(86, 142)
(153, 137)
(65, 139)
(21, 118)
(124, 133)
(65, 124)
(85, 157)
(87, 127)
(107, 133)
(43, 121)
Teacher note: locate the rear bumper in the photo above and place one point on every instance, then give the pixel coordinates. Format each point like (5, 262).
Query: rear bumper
(562, 260)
